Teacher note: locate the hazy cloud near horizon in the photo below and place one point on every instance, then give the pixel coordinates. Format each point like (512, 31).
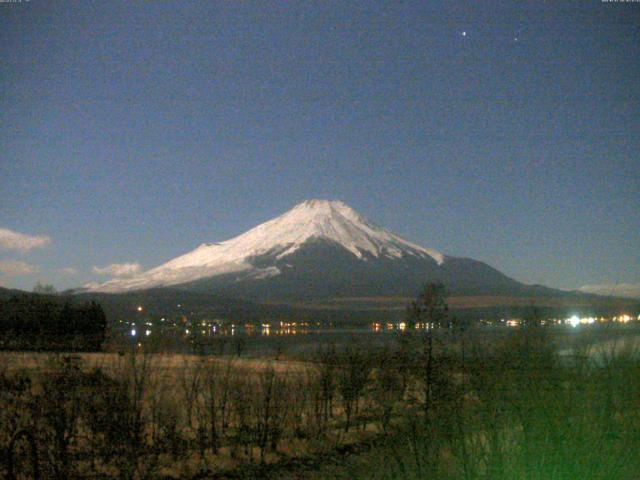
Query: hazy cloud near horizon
(119, 269)
(631, 290)
(16, 267)
(21, 241)
(67, 271)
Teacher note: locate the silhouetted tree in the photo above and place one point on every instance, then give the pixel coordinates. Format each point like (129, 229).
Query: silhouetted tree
(429, 309)
(44, 288)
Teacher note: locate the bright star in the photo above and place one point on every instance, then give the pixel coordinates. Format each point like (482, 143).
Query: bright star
(464, 34)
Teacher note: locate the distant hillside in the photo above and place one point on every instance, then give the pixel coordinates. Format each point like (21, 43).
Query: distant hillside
(6, 293)
(176, 302)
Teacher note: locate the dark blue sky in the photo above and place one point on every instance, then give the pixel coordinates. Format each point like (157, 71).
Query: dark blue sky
(134, 131)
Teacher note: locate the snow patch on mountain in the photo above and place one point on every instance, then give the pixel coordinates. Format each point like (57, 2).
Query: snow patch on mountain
(280, 237)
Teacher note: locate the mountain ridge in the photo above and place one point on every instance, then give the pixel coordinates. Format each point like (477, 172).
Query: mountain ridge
(330, 220)
(319, 249)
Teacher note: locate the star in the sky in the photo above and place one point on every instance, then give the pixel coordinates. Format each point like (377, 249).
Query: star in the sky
(464, 34)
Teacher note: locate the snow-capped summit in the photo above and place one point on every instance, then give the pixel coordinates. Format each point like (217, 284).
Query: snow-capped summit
(332, 222)
(328, 220)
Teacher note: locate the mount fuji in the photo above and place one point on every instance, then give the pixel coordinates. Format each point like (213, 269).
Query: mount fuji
(318, 249)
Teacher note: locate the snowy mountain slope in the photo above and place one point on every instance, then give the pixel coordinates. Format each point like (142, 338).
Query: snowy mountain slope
(324, 269)
(261, 252)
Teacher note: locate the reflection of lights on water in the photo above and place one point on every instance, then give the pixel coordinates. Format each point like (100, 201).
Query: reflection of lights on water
(139, 308)
(574, 320)
(625, 318)
(286, 328)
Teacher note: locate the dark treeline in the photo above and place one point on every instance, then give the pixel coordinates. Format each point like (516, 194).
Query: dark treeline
(44, 322)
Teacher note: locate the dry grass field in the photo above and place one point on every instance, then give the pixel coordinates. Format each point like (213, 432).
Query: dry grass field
(173, 363)
(445, 406)
(174, 415)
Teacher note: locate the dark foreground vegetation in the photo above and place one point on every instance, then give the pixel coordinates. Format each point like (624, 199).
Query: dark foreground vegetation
(51, 323)
(447, 402)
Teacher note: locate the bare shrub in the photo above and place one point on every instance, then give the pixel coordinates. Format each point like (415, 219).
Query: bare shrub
(388, 386)
(352, 378)
(214, 407)
(326, 380)
(272, 409)
(190, 381)
(17, 426)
